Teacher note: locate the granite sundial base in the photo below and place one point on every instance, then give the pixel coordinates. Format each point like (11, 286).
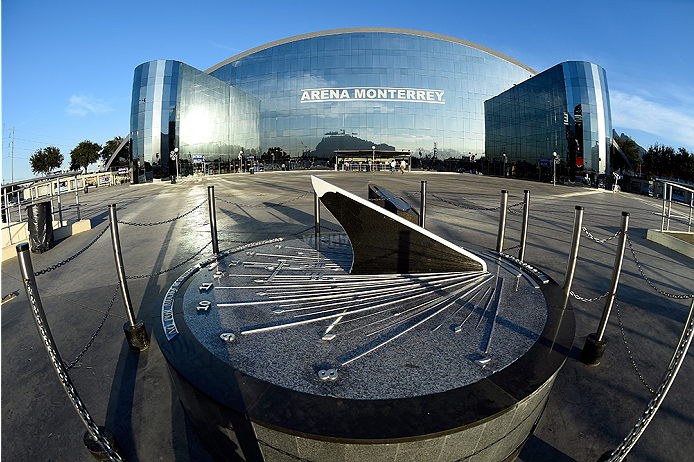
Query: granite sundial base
(279, 353)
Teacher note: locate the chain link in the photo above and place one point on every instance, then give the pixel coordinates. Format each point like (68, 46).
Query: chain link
(98, 329)
(638, 264)
(631, 356)
(144, 276)
(65, 378)
(623, 449)
(265, 205)
(468, 207)
(68, 260)
(615, 235)
(588, 300)
(165, 221)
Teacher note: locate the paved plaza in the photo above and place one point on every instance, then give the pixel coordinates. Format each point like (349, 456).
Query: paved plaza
(590, 410)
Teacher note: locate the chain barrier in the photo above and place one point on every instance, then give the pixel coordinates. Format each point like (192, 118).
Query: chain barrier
(469, 207)
(144, 276)
(601, 241)
(68, 260)
(588, 300)
(165, 221)
(65, 379)
(98, 329)
(623, 449)
(279, 204)
(638, 264)
(631, 356)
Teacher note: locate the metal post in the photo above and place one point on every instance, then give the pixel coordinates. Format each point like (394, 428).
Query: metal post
(595, 345)
(99, 440)
(691, 206)
(7, 207)
(669, 209)
(423, 203)
(60, 206)
(316, 214)
(662, 223)
(502, 221)
(213, 218)
(77, 200)
(616, 272)
(524, 226)
(573, 256)
(52, 211)
(134, 329)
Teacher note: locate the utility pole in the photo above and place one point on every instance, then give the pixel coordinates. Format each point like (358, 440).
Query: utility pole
(11, 156)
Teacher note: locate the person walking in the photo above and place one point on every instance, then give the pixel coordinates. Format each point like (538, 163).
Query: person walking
(403, 164)
(392, 167)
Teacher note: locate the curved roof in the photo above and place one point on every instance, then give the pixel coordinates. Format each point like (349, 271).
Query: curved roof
(371, 30)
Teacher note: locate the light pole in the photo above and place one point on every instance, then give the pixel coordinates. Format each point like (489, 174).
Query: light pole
(241, 162)
(555, 160)
(504, 165)
(373, 156)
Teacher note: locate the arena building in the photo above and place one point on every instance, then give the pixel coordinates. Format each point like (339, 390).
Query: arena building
(375, 90)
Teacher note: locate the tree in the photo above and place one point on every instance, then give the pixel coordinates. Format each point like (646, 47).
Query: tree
(631, 150)
(659, 160)
(84, 154)
(45, 160)
(111, 146)
(275, 154)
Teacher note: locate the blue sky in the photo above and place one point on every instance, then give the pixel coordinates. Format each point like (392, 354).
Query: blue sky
(67, 67)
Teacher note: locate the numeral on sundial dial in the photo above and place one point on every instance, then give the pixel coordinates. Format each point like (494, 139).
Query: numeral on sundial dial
(206, 286)
(204, 305)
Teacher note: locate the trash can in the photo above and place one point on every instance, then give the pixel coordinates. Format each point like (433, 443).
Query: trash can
(40, 226)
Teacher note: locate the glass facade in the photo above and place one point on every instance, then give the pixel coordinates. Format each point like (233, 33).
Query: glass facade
(401, 90)
(177, 106)
(565, 109)
(351, 89)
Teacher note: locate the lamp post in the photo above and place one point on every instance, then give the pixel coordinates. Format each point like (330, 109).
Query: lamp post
(241, 162)
(373, 157)
(504, 165)
(555, 160)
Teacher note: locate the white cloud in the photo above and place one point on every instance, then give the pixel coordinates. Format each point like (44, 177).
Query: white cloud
(672, 123)
(83, 105)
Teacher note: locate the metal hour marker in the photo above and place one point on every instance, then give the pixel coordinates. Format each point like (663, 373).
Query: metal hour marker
(327, 375)
(206, 286)
(204, 305)
(228, 337)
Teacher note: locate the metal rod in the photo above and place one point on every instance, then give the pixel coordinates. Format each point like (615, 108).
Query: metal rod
(691, 206)
(618, 260)
(573, 256)
(669, 208)
(32, 293)
(662, 222)
(115, 239)
(502, 221)
(60, 206)
(52, 211)
(524, 227)
(213, 219)
(77, 200)
(423, 203)
(316, 214)
(7, 208)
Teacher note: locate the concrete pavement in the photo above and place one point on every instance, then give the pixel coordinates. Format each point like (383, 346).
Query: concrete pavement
(590, 410)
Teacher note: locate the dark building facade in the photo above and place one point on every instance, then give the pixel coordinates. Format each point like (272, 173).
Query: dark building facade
(563, 110)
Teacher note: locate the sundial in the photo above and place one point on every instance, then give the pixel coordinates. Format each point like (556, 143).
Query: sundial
(382, 336)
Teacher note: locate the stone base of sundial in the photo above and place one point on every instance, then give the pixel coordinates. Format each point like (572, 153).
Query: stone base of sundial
(279, 354)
